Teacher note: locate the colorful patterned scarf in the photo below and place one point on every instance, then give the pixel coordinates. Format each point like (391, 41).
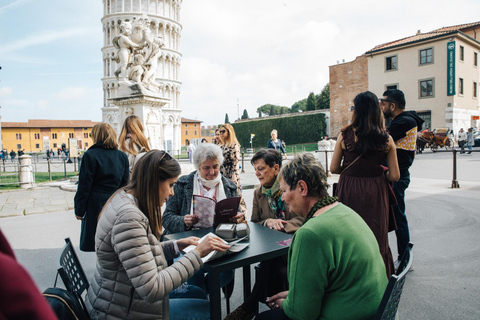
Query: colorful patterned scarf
(274, 198)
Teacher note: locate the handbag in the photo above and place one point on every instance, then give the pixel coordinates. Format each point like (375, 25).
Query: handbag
(335, 184)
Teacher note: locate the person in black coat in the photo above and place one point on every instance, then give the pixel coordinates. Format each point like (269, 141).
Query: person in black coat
(103, 171)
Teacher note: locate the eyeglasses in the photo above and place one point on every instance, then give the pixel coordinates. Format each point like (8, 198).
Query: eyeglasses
(222, 131)
(385, 100)
(165, 155)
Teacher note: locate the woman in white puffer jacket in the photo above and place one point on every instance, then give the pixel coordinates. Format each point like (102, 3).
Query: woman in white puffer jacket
(132, 278)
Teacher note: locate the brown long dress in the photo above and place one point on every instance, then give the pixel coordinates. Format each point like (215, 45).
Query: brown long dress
(364, 188)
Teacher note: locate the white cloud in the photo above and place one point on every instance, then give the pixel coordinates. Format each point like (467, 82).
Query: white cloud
(41, 39)
(43, 105)
(71, 93)
(5, 92)
(12, 5)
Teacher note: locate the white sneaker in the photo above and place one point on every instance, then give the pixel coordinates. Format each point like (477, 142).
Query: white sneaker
(396, 264)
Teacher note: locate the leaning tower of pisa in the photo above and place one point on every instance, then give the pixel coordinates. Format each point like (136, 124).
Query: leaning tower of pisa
(163, 21)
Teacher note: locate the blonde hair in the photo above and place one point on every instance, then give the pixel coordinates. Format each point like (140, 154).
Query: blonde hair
(274, 131)
(232, 138)
(133, 126)
(103, 133)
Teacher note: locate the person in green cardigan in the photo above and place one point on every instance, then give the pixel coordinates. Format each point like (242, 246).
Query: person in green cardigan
(335, 270)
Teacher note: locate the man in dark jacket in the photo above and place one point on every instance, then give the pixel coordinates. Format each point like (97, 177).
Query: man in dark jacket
(403, 129)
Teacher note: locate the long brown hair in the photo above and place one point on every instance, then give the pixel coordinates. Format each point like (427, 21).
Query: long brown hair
(154, 167)
(103, 133)
(232, 138)
(368, 122)
(132, 126)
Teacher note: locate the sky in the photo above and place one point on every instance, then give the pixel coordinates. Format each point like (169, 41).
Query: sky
(236, 55)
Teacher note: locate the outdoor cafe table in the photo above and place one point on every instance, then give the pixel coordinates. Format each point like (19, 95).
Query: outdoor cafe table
(262, 246)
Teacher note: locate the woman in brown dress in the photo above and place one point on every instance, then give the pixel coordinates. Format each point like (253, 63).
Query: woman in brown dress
(363, 186)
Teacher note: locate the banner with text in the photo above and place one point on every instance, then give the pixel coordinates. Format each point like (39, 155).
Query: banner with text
(451, 68)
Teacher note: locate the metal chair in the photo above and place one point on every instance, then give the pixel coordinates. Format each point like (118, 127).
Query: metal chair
(71, 272)
(391, 298)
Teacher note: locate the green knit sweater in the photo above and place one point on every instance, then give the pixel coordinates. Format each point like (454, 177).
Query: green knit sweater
(335, 270)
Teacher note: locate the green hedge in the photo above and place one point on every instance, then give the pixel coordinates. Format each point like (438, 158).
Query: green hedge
(294, 129)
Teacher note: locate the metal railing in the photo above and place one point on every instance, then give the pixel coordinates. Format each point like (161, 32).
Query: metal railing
(10, 173)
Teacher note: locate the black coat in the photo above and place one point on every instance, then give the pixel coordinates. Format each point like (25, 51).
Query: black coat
(102, 172)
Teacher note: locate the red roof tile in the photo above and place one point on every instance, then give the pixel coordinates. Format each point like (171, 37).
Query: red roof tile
(426, 35)
(183, 120)
(39, 123)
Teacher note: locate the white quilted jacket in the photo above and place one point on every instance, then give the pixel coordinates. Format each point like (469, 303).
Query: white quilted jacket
(132, 279)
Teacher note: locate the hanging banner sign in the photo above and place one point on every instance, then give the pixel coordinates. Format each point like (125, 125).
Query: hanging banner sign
(451, 68)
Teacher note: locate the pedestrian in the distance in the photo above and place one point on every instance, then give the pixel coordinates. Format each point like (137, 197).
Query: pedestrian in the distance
(190, 149)
(13, 154)
(276, 143)
(470, 140)
(462, 140)
(103, 171)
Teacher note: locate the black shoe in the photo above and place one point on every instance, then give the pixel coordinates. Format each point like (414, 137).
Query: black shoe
(469, 152)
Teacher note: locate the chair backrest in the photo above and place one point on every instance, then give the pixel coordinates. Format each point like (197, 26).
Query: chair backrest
(391, 297)
(71, 270)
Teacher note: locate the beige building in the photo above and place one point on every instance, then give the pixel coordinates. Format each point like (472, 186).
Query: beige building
(37, 136)
(191, 130)
(438, 72)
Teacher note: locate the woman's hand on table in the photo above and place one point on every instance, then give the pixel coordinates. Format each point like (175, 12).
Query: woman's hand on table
(185, 242)
(276, 224)
(190, 220)
(210, 244)
(275, 302)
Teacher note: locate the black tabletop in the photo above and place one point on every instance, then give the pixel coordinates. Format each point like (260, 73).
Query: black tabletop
(262, 246)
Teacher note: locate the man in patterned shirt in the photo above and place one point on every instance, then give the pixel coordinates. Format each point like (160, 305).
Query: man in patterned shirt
(403, 129)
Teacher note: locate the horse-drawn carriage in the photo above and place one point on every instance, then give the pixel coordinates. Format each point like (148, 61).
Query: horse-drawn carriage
(439, 138)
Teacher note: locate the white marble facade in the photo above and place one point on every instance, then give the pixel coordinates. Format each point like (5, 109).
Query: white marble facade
(162, 116)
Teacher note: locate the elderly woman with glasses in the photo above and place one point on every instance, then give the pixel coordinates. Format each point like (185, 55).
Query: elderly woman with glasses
(335, 270)
(205, 181)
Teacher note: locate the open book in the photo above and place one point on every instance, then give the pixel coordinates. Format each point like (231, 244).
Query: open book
(211, 213)
(234, 247)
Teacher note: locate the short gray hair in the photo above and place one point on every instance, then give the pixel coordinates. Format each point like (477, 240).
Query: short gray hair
(305, 167)
(207, 151)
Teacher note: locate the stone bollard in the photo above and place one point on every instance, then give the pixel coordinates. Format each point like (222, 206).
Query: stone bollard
(25, 175)
(326, 146)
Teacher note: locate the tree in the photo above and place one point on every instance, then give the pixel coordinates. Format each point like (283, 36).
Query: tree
(267, 107)
(245, 114)
(323, 99)
(272, 111)
(311, 102)
(226, 118)
(259, 113)
(299, 105)
(282, 111)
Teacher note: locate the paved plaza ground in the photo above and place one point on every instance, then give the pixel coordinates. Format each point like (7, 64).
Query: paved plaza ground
(444, 225)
